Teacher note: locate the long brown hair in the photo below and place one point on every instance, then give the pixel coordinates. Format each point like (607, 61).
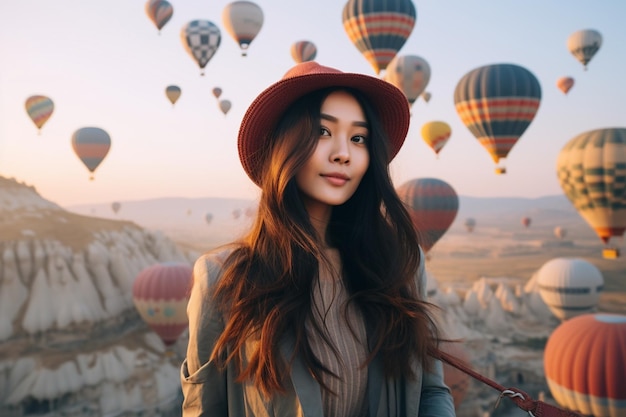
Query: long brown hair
(266, 286)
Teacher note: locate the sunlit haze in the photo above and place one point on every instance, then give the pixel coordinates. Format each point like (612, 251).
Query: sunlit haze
(105, 65)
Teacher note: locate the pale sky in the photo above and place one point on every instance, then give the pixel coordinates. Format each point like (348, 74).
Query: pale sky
(104, 65)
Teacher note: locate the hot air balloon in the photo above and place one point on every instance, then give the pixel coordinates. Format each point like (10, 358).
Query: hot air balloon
(173, 93)
(584, 44)
(116, 206)
(39, 109)
(569, 286)
(303, 51)
(526, 221)
(560, 232)
(208, 218)
(217, 92)
(426, 96)
(457, 380)
(201, 38)
(565, 84)
(497, 103)
(436, 135)
(584, 364)
(160, 12)
(590, 169)
(379, 28)
(160, 294)
(433, 205)
(91, 145)
(225, 105)
(410, 73)
(243, 21)
(470, 224)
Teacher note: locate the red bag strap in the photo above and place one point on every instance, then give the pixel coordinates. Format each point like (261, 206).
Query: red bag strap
(524, 401)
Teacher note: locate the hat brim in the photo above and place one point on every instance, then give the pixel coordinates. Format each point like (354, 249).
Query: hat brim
(263, 115)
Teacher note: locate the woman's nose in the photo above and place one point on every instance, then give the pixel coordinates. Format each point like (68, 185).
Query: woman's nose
(341, 151)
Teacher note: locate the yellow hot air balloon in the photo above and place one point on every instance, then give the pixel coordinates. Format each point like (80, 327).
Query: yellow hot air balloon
(584, 44)
(436, 134)
(173, 93)
(243, 21)
(591, 169)
(410, 73)
(39, 109)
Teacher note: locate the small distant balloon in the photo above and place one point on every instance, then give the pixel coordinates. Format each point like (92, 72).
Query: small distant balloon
(470, 224)
(208, 217)
(560, 232)
(225, 106)
(243, 21)
(160, 12)
(201, 38)
(91, 145)
(584, 44)
(173, 93)
(526, 221)
(39, 109)
(303, 51)
(565, 84)
(116, 206)
(426, 96)
(436, 134)
(217, 92)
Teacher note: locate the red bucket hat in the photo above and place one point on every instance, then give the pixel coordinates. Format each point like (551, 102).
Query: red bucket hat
(261, 118)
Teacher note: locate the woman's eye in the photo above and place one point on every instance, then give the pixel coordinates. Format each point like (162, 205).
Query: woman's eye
(359, 139)
(324, 131)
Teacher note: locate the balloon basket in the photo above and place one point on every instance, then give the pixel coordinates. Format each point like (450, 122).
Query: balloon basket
(610, 253)
(500, 170)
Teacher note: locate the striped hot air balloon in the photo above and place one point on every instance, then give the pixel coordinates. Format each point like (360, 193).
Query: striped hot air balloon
(173, 93)
(160, 294)
(91, 145)
(243, 21)
(159, 12)
(201, 38)
(584, 44)
(410, 73)
(497, 103)
(433, 205)
(585, 364)
(436, 134)
(379, 28)
(591, 169)
(39, 109)
(303, 51)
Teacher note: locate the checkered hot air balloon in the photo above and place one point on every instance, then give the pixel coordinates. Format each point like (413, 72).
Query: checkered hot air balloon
(379, 28)
(201, 38)
(160, 294)
(91, 145)
(497, 103)
(591, 169)
(433, 205)
(159, 12)
(39, 109)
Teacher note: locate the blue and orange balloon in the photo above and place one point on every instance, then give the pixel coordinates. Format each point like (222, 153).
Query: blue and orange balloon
(91, 145)
(303, 51)
(497, 103)
(379, 28)
(39, 109)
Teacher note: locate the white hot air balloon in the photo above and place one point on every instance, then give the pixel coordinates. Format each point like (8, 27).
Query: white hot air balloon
(584, 44)
(570, 286)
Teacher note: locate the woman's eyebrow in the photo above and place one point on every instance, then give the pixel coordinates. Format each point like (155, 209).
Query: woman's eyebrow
(333, 119)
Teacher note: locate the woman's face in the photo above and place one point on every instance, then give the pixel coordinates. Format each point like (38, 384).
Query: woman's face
(335, 169)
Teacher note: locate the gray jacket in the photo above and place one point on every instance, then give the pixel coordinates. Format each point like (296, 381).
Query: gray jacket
(209, 392)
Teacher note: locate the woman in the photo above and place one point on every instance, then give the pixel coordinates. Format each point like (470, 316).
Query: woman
(318, 310)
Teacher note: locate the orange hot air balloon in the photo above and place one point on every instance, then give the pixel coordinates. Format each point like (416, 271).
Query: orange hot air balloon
(160, 294)
(91, 145)
(433, 205)
(585, 364)
(526, 221)
(436, 134)
(565, 84)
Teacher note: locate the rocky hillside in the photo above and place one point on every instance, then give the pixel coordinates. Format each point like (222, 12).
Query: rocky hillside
(71, 341)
